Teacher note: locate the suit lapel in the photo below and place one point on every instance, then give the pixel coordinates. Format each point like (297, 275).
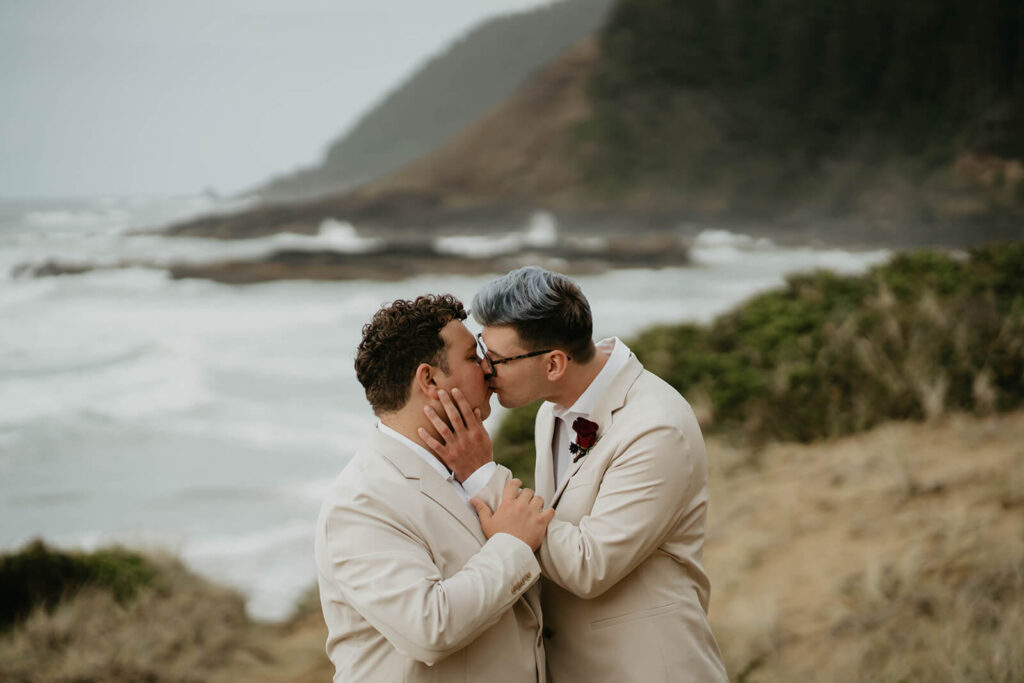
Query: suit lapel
(544, 474)
(430, 482)
(613, 398)
(573, 467)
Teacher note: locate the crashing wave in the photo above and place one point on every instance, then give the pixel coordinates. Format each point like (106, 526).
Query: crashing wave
(541, 232)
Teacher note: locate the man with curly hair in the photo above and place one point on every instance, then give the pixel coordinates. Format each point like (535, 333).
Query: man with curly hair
(413, 587)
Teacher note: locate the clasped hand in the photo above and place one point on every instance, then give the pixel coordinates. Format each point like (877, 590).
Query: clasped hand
(521, 514)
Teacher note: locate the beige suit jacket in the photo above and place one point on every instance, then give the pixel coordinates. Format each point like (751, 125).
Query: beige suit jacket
(410, 588)
(624, 594)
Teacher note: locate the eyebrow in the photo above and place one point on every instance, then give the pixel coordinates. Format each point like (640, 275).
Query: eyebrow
(497, 356)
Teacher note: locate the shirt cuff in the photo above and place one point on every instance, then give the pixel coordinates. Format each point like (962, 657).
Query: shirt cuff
(479, 479)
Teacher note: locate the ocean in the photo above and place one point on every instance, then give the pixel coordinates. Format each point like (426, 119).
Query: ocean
(207, 419)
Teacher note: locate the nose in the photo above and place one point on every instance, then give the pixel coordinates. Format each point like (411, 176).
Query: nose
(487, 368)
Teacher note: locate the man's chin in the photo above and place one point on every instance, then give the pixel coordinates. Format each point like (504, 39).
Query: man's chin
(485, 406)
(505, 403)
(504, 399)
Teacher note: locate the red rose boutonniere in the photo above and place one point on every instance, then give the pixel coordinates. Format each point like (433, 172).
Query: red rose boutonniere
(586, 437)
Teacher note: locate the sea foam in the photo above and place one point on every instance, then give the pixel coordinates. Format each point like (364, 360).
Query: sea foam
(540, 232)
(273, 567)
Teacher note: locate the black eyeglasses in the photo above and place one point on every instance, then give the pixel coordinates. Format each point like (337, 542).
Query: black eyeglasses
(490, 365)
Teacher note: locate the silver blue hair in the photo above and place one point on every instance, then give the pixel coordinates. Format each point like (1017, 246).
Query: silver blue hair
(529, 293)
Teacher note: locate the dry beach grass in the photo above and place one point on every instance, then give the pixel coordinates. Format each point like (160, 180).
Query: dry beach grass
(181, 629)
(892, 555)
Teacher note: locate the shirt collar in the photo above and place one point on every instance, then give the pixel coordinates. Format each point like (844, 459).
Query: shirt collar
(419, 450)
(584, 405)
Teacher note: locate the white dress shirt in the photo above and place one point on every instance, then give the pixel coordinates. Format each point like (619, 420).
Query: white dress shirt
(584, 405)
(466, 489)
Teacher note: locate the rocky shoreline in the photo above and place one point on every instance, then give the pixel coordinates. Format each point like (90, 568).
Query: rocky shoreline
(399, 260)
(401, 216)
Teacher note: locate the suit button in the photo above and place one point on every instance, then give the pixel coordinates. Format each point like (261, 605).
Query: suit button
(548, 633)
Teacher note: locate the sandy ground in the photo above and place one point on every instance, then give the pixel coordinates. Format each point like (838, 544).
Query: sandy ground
(792, 526)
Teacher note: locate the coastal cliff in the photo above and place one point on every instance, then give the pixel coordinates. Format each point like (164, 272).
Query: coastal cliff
(447, 93)
(896, 124)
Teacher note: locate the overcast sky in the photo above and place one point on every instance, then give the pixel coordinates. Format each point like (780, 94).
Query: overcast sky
(127, 97)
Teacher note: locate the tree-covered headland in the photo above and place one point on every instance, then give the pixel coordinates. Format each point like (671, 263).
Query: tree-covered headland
(836, 106)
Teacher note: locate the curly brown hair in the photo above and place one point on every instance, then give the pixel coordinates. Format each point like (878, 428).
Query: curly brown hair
(399, 337)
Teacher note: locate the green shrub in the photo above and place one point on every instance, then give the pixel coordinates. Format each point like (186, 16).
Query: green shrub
(829, 355)
(513, 442)
(38, 575)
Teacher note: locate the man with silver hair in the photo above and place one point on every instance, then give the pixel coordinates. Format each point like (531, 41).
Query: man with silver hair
(621, 458)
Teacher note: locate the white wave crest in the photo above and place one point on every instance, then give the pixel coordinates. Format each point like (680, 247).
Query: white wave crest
(69, 218)
(333, 236)
(113, 248)
(725, 238)
(540, 232)
(713, 247)
(140, 386)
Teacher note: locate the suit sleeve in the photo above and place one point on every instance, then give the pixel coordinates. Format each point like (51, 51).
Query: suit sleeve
(490, 492)
(388, 575)
(641, 497)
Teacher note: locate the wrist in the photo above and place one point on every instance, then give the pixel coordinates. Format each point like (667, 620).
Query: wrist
(467, 471)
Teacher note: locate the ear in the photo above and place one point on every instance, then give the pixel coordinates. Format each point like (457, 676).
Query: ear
(425, 380)
(555, 366)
